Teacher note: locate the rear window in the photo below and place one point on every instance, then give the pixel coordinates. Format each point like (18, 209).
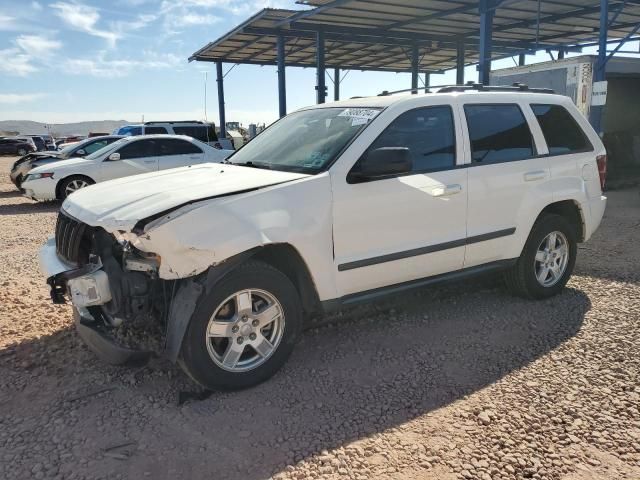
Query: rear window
(561, 131)
(204, 133)
(498, 133)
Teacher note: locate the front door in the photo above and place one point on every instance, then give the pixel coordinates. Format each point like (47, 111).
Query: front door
(398, 229)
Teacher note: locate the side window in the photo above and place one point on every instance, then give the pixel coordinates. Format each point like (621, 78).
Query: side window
(498, 133)
(152, 130)
(197, 132)
(95, 146)
(139, 149)
(428, 133)
(176, 147)
(561, 131)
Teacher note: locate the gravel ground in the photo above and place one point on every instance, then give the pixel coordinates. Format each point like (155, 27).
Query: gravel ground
(461, 381)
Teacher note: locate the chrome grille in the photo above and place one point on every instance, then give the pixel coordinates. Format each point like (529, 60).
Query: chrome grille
(69, 233)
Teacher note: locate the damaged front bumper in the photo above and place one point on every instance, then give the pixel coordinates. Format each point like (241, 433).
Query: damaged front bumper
(88, 288)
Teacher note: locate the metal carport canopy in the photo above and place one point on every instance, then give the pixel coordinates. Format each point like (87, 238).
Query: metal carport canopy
(379, 35)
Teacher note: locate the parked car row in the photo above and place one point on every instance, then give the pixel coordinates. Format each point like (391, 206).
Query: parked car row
(35, 159)
(55, 178)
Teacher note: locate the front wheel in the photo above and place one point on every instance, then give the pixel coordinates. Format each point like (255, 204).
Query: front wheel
(72, 184)
(243, 331)
(547, 260)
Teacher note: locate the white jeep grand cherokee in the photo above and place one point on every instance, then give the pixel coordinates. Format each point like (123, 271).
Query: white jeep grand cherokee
(333, 204)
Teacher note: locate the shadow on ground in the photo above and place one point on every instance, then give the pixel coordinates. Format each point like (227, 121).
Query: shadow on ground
(29, 208)
(379, 367)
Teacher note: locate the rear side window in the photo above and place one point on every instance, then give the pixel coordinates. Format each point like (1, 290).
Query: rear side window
(498, 133)
(153, 130)
(167, 146)
(561, 131)
(429, 135)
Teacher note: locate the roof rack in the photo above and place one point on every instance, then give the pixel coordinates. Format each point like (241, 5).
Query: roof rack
(471, 86)
(177, 121)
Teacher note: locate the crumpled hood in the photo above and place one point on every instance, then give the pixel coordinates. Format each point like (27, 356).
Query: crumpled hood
(120, 204)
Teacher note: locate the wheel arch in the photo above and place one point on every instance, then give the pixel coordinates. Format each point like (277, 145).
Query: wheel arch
(572, 211)
(63, 179)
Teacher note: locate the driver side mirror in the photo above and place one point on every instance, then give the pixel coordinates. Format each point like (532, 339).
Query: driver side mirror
(114, 157)
(382, 162)
(81, 152)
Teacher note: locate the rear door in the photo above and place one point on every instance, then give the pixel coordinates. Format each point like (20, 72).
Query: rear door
(137, 156)
(508, 178)
(173, 152)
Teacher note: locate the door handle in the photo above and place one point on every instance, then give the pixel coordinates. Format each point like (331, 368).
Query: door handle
(446, 190)
(533, 176)
(149, 161)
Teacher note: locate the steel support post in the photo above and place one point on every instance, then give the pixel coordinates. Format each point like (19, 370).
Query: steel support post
(336, 84)
(486, 29)
(522, 60)
(320, 68)
(596, 113)
(220, 80)
(415, 61)
(282, 84)
(427, 81)
(460, 62)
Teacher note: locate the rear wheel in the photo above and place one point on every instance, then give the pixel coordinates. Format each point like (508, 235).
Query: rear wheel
(244, 330)
(547, 260)
(72, 184)
(22, 152)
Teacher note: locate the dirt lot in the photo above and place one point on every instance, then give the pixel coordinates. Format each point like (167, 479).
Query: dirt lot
(461, 381)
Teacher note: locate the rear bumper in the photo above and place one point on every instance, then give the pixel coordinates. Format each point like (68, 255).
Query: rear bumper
(597, 207)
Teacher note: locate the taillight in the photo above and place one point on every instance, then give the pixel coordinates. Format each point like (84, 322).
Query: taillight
(217, 145)
(602, 169)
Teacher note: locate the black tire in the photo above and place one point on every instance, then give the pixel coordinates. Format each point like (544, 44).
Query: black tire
(521, 278)
(22, 152)
(194, 357)
(65, 182)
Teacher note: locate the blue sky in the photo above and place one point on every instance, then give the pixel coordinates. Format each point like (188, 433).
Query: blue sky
(76, 60)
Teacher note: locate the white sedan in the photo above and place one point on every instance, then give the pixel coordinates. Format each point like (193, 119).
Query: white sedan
(125, 157)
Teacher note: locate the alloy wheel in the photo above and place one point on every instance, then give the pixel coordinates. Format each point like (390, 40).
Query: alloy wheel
(245, 330)
(552, 258)
(74, 185)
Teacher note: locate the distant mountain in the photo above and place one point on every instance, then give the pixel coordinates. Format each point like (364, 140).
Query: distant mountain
(27, 127)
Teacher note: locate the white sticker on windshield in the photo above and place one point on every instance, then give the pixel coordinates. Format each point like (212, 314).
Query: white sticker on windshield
(359, 116)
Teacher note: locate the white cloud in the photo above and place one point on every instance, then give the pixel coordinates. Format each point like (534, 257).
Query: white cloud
(14, 98)
(99, 66)
(6, 22)
(37, 45)
(36, 6)
(84, 18)
(189, 19)
(14, 61)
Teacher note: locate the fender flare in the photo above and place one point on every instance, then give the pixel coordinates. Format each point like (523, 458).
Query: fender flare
(186, 299)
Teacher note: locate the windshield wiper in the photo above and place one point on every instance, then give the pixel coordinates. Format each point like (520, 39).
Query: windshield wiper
(253, 165)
